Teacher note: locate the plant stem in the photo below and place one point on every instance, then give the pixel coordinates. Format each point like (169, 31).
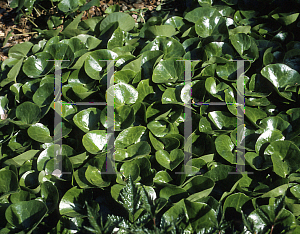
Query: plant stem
(24, 34)
(272, 229)
(44, 7)
(39, 14)
(141, 14)
(29, 19)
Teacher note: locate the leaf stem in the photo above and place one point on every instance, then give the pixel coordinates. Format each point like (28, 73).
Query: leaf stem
(24, 34)
(39, 14)
(44, 7)
(29, 19)
(272, 229)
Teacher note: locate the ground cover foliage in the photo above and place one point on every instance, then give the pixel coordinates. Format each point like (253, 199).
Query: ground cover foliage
(148, 195)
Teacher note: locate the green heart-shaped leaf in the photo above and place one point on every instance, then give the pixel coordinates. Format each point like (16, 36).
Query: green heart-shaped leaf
(169, 161)
(94, 141)
(122, 94)
(37, 65)
(28, 113)
(285, 157)
(93, 65)
(224, 147)
(72, 203)
(281, 75)
(88, 119)
(129, 136)
(8, 183)
(125, 21)
(40, 133)
(26, 214)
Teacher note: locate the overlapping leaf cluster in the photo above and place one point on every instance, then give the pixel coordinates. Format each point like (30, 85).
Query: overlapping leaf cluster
(151, 192)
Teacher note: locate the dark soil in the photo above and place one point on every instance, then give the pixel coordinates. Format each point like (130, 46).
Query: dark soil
(22, 31)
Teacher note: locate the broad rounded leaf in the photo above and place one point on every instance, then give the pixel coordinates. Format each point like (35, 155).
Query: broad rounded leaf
(66, 167)
(19, 51)
(72, 203)
(44, 94)
(19, 142)
(87, 119)
(267, 137)
(122, 94)
(285, 157)
(93, 176)
(30, 87)
(8, 182)
(28, 113)
(94, 141)
(26, 214)
(126, 22)
(76, 45)
(218, 171)
(157, 30)
(132, 169)
(223, 120)
(173, 193)
(124, 76)
(169, 46)
(167, 71)
(211, 25)
(175, 21)
(144, 89)
(195, 14)
(170, 142)
(162, 177)
(51, 152)
(22, 158)
(159, 128)
(281, 75)
(254, 114)
(244, 45)
(138, 149)
(292, 59)
(217, 91)
(169, 161)
(286, 18)
(62, 51)
(124, 117)
(37, 65)
(295, 190)
(257, 162)
(93, 65)
(273, 123)
(116, 40)
(129, 136)
(67, 5)
(198, 186)
(224, 147)
(236, 201)
(49, 194)
(89, 41)
(229, 70)
(218, 49)
(40, 133)
(171, 96)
